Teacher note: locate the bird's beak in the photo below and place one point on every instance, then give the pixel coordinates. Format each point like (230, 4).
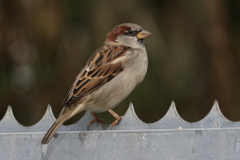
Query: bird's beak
(143, 34)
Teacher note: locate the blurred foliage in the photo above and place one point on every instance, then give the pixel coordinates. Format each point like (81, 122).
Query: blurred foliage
(193, 54)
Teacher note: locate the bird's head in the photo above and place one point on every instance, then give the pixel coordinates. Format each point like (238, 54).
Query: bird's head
(127, 34)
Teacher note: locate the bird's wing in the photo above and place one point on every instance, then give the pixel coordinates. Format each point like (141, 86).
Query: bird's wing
(104, 64)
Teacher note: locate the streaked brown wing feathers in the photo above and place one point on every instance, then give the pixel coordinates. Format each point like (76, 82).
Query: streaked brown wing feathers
(99, 70)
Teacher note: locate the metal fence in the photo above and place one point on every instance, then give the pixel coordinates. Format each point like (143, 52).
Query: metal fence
(170, 138)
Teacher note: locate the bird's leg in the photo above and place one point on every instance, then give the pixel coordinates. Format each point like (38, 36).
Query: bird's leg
(95, 120)
(116, 116)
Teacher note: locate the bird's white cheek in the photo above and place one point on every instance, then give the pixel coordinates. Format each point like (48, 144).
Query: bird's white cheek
(127, 41)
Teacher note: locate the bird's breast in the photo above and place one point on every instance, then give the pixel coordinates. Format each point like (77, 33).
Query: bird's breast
(137, 66)
(116, 90)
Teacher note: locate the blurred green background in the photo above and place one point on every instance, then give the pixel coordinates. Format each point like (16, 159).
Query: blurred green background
(193, 54)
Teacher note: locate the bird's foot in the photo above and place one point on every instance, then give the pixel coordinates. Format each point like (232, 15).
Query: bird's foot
(116, 116)
(115, 122)
(97, 119)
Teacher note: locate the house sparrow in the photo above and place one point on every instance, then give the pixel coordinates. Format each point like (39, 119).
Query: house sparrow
(109, 76)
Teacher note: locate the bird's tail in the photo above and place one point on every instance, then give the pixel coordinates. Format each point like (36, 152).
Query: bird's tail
(65, 114)
(53, 129)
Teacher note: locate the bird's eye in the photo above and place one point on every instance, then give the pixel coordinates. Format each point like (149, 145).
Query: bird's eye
(130, 32)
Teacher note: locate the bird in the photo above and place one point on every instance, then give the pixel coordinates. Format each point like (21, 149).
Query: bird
(109, 76)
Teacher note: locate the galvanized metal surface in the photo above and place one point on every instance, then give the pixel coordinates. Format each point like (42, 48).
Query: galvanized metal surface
(170, 138)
